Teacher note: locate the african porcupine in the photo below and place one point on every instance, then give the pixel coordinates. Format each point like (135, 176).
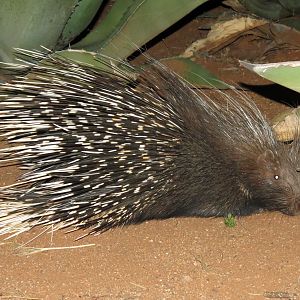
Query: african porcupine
(102, 149)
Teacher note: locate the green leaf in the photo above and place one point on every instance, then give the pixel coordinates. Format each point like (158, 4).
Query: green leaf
(132, 23)
(29, 24)
(186, 68)
(81, 17)
(194, 73)
(270, 9)
(83, 57)
(284, 73)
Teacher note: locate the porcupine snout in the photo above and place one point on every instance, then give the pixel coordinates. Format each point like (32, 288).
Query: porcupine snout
(293, 189)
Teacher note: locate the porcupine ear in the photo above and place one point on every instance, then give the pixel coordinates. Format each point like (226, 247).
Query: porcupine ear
(266, 161)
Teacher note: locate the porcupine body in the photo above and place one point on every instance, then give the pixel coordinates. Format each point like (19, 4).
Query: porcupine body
(101, 149)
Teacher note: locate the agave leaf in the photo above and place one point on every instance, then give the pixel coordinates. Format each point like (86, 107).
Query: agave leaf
(291, 4)
(28, 24)
(191, 71)
(293, 22)
(132, 23)
(80, 18)
(194, 73)
(270, 9)
(83, 57)
(284, 73)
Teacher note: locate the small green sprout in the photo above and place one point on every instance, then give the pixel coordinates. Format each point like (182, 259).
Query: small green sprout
(230, 221)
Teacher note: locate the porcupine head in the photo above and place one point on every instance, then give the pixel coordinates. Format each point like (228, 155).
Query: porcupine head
(277, 185)
(268, 173)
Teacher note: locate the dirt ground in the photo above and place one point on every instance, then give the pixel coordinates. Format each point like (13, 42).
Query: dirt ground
(183, 258)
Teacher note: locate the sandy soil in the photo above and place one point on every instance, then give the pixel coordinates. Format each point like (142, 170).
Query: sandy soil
(190, 258)
(171, 259)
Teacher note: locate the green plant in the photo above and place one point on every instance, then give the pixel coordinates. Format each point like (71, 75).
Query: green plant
(230, 221)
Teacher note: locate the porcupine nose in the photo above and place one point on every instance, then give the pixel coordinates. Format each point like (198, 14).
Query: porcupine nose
(296, 206)
(297, 210)
(294, 210)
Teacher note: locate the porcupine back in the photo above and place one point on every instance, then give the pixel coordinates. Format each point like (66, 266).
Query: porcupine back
(102, 149)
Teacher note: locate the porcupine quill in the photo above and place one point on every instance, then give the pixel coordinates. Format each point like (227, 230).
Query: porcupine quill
(102, 149)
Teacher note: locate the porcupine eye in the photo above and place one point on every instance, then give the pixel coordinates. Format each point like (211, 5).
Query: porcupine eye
(276, 177)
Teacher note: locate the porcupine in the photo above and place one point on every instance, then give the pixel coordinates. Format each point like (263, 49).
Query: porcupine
(103, 149)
